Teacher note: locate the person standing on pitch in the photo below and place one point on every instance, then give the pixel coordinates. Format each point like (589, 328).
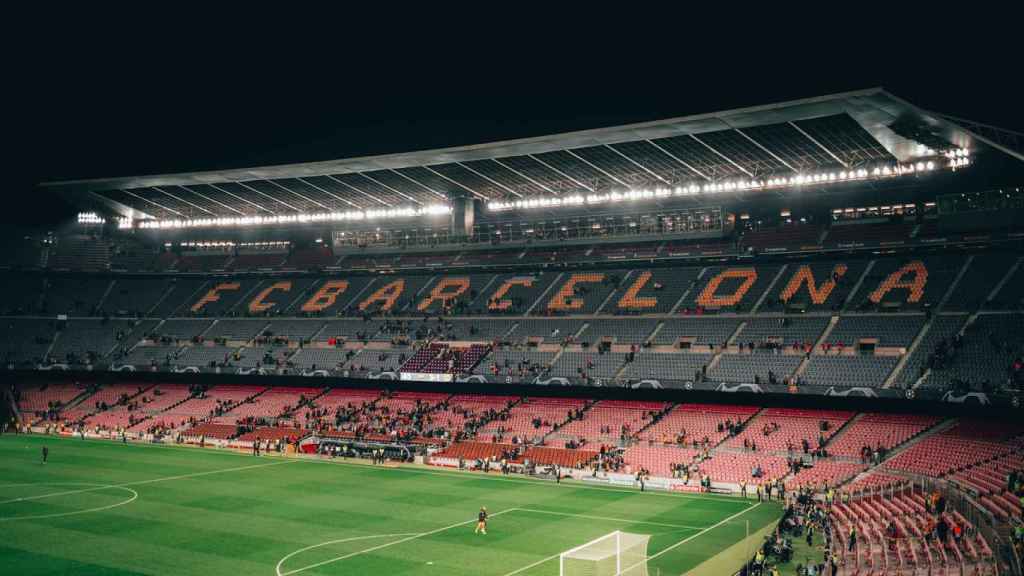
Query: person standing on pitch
(46, 454)
(481, 521)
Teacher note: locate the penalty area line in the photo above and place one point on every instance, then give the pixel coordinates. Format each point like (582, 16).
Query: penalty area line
(141, 482)
(386, 545)
(649, 558)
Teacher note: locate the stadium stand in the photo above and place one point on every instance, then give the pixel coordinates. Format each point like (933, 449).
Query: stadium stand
(26, 342)
(855, 370)
(872, 431)
(967, 443)
(886, 331)
(987, 356)
(135, 297)
(531, 419)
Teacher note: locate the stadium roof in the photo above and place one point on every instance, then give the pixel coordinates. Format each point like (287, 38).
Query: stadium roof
(848, 131)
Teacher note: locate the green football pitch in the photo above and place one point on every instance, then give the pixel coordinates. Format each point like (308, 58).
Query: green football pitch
(105, 508)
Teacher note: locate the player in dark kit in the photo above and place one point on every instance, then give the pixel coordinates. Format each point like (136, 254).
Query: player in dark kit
(46, 454)
(481, 521)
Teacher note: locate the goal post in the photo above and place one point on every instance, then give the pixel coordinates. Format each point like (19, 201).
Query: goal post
(615, 554)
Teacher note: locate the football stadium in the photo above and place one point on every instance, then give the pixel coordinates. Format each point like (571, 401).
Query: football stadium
(785, 339)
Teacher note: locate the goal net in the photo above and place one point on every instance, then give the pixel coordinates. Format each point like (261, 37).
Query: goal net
(615, 554)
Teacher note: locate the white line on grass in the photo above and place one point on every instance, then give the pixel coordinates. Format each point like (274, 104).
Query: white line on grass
(626, 520)
(672, 547)
(339, 541)
(134, 496)
(375, 548)
(468, 474)
(141, 482)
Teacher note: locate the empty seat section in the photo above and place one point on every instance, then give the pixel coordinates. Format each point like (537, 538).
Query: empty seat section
(849, 370)
(933, 351)
(588, 365)
(785, 430)
(679, 366)
(762, 367)
(531, 420)
(687, 424)
(624, 331)
(990, 347)
(785, 331)
(879, 429)
(697, 331)
(608, 423)
(889, 331)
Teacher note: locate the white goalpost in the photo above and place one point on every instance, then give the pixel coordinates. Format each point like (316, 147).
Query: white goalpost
(616, 554)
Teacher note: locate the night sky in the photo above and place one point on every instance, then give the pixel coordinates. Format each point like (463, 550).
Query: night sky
(113, 103)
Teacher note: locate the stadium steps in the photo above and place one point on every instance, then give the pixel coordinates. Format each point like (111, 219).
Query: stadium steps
(544, 295)
(485, 290)
(247, 297)
(49, 349)
(728, 342)
(323, 392)
(1009, 274)
(110, 406)
(851, 297)
(415, 298)
(686, 293)
(613, 293)
(768, 290)
(103, 298)
(556, 428)
(671, 406)
(167, 292)
(842, 429)
(910, 351)
(654, 333)
(942, 426)
(924, 377)
(817, 344)
(952, 285)
(300, 298)
(202, 289)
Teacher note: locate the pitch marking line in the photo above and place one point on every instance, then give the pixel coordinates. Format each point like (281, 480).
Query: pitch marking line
(606, 518)
(141, 482)
(459, 474)
(134, 496)
(413, 536)
(340, 541)
(649, 558)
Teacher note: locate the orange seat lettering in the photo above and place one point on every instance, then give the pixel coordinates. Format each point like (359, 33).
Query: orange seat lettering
(804, 276)
(214, 294)
(630, 299)
(326, 296)
(259, 303)
(387, 294)
(709, 297)
(898, 279)
(445, 290)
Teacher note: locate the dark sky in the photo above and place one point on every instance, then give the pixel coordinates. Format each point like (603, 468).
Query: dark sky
(114, 103)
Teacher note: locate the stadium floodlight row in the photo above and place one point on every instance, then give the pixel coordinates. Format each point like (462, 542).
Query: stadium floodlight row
(813, 143)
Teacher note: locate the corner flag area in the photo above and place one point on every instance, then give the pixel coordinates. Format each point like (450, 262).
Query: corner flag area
(107, 508)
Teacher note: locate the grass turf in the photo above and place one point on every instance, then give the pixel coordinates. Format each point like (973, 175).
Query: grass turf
(104, 508)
